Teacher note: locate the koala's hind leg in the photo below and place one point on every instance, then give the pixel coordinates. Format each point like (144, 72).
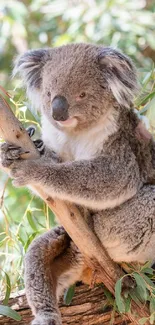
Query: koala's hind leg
(52, 264)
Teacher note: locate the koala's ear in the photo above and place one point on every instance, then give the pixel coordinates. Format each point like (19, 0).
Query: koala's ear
(29, 66)
(120, 74)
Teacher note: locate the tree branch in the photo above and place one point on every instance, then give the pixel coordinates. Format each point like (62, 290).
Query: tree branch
(86, 308)
(12, 131)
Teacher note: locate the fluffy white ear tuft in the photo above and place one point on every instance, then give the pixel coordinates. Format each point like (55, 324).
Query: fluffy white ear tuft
(120, 74)
(30, 66)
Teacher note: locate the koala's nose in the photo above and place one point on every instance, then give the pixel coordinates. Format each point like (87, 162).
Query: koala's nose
(60, 108)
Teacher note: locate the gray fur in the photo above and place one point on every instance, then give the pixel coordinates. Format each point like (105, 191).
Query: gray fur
(99, 163)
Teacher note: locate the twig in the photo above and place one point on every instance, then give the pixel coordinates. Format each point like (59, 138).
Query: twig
(3, 193)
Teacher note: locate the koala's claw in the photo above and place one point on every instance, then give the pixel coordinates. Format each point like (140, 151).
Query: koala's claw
(31, 131)
(39, 144)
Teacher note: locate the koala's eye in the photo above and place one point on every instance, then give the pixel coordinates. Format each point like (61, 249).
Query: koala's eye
(82, 95)
(49, 94)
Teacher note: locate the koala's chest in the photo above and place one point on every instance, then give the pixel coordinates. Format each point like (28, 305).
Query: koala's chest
(69, 148)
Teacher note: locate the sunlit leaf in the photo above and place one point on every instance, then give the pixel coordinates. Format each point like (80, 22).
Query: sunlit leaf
(127, 304)
(8, 290)
(31, 221)
(141, 286)
(148, 270)
(7, 311)
(69, 294)
(152, 305)
(152, 319)
(119, 299)
(149, 281)
(31, 237)
(143, 320)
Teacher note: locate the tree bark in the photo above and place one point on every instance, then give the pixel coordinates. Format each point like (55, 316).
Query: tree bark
(86, 308)
(12, 131)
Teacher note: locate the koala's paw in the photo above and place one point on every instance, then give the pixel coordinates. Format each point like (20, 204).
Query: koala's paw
(10, 153)
(49, 320)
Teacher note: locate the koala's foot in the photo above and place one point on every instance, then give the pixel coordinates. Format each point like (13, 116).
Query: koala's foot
(54, 241)
(47, 320)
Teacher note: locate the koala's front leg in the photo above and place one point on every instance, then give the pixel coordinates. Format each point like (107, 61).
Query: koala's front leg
(100, 183)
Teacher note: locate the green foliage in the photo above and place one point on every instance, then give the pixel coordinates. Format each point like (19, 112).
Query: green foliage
(143, 291)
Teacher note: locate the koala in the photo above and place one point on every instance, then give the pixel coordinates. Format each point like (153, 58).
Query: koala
(92, 157)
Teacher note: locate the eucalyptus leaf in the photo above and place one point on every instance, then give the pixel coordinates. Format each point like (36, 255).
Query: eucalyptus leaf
(152, 305)
(30, 238)
(119, 299)
(133, 295)
(127, 304)
(8, 290)
(69, 294)
(7, 311)
(152, 319)
(150, 113)
(148, 270)
(143, 320)
(109, 296)
(149, 281)
(30, 220)
(141, 286)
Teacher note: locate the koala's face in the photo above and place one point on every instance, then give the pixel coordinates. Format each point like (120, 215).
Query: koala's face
(74, 92)
(78, 84)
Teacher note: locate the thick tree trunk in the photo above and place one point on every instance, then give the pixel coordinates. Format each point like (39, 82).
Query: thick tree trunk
(86, 308)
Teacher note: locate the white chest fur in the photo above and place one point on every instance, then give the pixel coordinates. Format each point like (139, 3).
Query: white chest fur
(84, 145)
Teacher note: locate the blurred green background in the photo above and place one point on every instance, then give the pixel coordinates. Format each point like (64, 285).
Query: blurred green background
(27, 24)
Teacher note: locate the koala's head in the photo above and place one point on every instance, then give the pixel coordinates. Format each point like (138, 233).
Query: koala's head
(77, 84)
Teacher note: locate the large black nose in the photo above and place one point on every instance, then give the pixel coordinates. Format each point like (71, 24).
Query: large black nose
(60, 108)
